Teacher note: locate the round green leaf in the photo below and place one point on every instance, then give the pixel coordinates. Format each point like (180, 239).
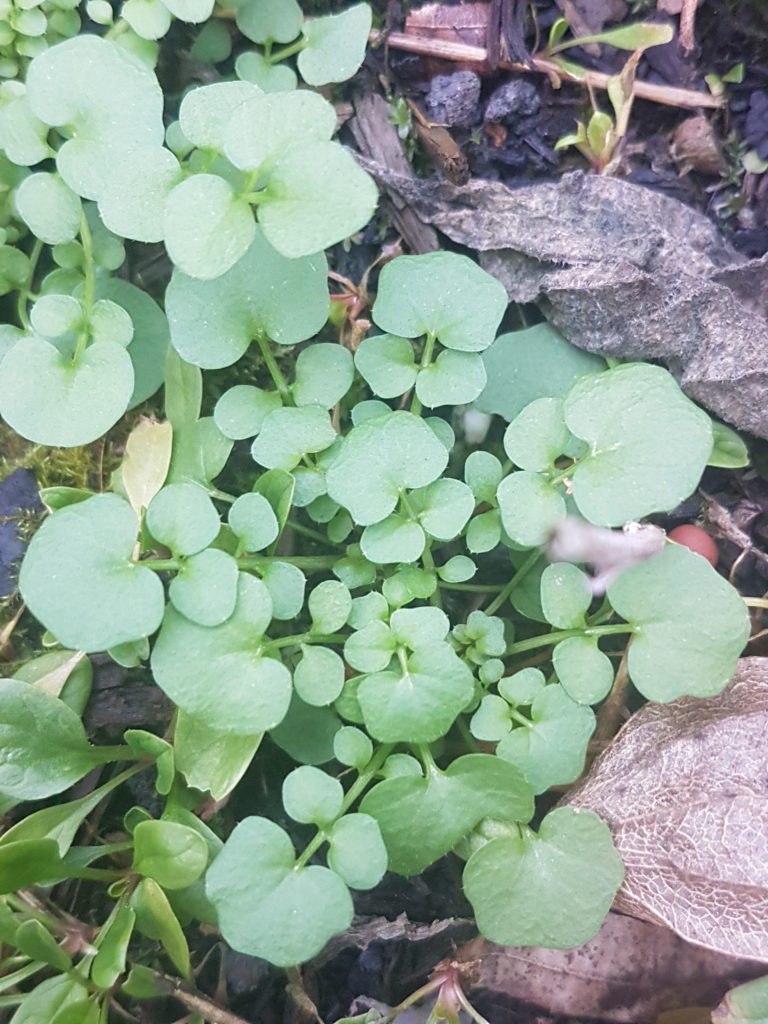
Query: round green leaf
(312, 797)
(423, 818)
(329, 604)
(49, 208)
(241, 410)
(324, 375)
(263, 21)
(394, 539)
(206, 227)
(205, 112)
(335, 45)
(209, 760)
(58, 318)
(356, 851)
(691, 625)
(316, 196)
(530, 507)
(149, 19)
(150, 336)
(537, 435)
(649, 444)
(443, 294)
(265, 906)
(193, 11)
(133, 204)
(253, 521)
(551, 750)
(22, 135)
(50, 399)
(213, 322)
(482, 474)
(523, 687)
(492, 721)
(218, 673)
(418, 704)
(552, 889)
(266, 126)
(352, 747)
(370, 649)
(378, 459)
(565, 595)
(205, 588)
(174, 855)
(254, 67)
(91, 544)
(455, 378)
(109, 102)
(419, 627)
(484, 532)
(43, 748)
(387, 364)
(286, 584)
(458, 569)
(525, 365)
(288, 434)
(109, 322)
(184, 518)
(443, 508)
(585, 673)
(319, 676)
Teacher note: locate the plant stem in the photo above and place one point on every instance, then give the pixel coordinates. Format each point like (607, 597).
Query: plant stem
(21, 306)
(547, 639)
(304, 638)
(274, 370)
(312, 563)
(514, 583)
(161, 564)
(426, 359)
(287, 51)
(307, 531)
(89, 286)
(472, 588)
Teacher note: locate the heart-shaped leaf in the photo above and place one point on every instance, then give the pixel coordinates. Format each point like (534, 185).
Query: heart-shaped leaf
(206, 227)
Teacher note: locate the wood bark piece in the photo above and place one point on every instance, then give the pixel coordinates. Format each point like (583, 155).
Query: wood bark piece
(684, 790)
(621, 270)
(631, 972)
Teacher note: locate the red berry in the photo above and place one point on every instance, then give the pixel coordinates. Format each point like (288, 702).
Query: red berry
(696, 539)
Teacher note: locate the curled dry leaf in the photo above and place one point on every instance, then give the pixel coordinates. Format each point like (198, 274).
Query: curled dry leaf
(684, 789)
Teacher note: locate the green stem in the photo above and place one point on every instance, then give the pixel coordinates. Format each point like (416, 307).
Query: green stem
(89, 285)
(120, 26)
(472, 588)
(426, 359)
(274, 370)
(547, 639)
(26, 288)
(161, 564)
(312, 563)
(429, 564)
(354, 791)
(304, 638)
(315, 535)
(519, 717)
(514, 583)
(287, 51)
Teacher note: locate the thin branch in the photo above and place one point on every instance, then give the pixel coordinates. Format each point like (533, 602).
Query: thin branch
(667, 95)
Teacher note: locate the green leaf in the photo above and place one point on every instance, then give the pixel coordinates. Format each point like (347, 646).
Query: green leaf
(330, 605)
(306, 733)
(356, 851)
(370, 649)
(205, 588)
(47, 999)
(254, 67)
(378, 459)
(484, 532)
(288, 434)
(585, 673)
(266, 906)
(51, 399)
(44, 748)
(22, 135)
(319, 676)
(565, 595)
(241, 411)
(419, 627)
(420, 702)
(394, 539)
(200, 452)
(109, 102)
(184, 518)
(277, 486)
(537, 435)
(324, 375)
(286, 584)
(744, 1004)
(551, 750)
(408, 585)
(264, 127)
(49, 208)
(458, 569)
(530, 507)
(205, 112)
(352, 747)
(174, 855)
(316, 196)
(443, 508)
(312, 797)
(133, 205)
(552, 889)
(691, 625)
(728, 449)
(193, 11)
(387, 365)
(149, 19)
(423, 818)
(455, 378)
(491, 722)
(264, 21)
(150, 335)
(252, 520)
(155, 919)
(442, 294)
(209, 759)
(213, 323)
(525, 365)
(110, 961)
(335, 45)
(35, 941)
(213, 44)
(206, 227)
(482, 474)
(649, 444)
(251, 692)
(91, 544)
(639, 36)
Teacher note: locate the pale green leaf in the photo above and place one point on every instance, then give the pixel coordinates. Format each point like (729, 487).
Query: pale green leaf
(356, 851)
(206, 227)
(585, 673)
(263, 21)
(184, 518)
(530, 507)
(324, 374)
(205, 112)
(288, 434)
(133, 205)
(455, 378)
(205, 588)
(387, 364)
(241, 410)
(335, 45)
(265, 127)
(319, 677)
(49, 208)
(537, 436)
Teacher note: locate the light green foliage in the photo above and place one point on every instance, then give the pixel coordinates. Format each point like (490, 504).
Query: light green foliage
(334, 45)
(262, 21)
(565, 595)
(183, 517)
(529, 507)
(174, 855)
(49, 208)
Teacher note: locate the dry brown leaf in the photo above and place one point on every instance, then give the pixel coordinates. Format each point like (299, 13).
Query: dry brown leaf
(467, 23)
(629, 973)
(684, 789)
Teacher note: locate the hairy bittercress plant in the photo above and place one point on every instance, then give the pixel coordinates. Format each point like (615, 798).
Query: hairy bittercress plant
(327, 605)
